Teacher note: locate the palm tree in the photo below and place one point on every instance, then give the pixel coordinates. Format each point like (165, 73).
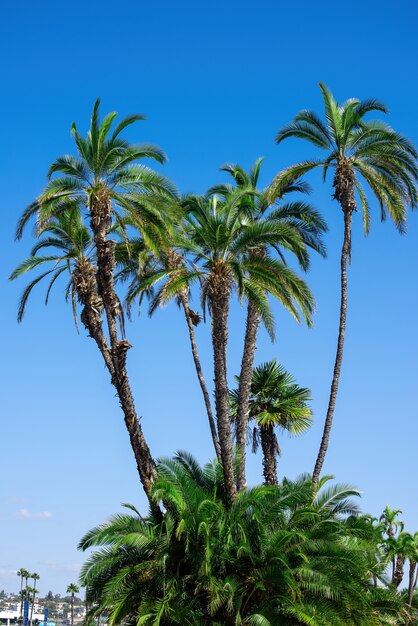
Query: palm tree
(391, 526)
(307, 224)
(34, 577)
(23, 573)
(274, 556)
(106, 178)
(219, 239)
(412, 554)
(275, 401)
(73, 589)
(360, 151)
(399, 549)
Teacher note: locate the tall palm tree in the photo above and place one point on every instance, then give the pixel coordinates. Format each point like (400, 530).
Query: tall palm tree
(218, 239)
(34, 577)
(72, 589)
(275, 401)
(106, 178)
(23, 573)
(361, 152)
(307, 224)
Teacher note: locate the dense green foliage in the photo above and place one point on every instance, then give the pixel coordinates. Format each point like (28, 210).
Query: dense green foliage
(278, 555)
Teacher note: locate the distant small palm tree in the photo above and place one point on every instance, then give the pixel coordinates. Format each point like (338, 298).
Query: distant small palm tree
(34, 577)
(275, 401)
(360, 152)
(23, 573)
(72, 589)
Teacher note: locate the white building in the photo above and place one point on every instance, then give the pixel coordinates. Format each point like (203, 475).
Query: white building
(7, 617)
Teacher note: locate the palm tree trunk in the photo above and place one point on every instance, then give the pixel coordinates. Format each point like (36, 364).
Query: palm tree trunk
(345, 256)
(31, 608)
(411, 581)
(199, 372)
(244, 390)
(269, 447)
(72, 609)
(21, 596)
(399, 570)
(84, 278)
(220, 307)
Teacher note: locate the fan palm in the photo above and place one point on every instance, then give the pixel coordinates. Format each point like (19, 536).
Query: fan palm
(275, 401)
(274, 557)
(106, 178)
(308, 226)
(217, 242)
(361, 152)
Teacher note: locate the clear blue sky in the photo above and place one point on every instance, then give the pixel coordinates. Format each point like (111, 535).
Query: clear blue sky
(216, 81)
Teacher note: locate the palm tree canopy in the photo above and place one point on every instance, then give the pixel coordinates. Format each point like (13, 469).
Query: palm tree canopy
(277, 400)
(257, 206)
(67, 240)
(73, 588)
(375, 154)
(106, 167)
(215, 241)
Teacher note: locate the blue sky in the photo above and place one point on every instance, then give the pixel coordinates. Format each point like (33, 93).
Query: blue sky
(216, 81)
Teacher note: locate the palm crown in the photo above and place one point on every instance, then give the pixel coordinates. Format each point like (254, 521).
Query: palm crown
(275, 401)
(69, 241)
(360, 151)
(105, 170)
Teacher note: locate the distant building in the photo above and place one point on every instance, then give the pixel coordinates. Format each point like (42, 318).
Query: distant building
(9, 617)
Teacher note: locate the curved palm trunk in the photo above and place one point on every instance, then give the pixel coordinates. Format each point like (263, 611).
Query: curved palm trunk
(411, 581)
(344, 192)
(190, 325)
(399, 571)
(95, 290)
(269, 447)
(244, 389)
(220, 308)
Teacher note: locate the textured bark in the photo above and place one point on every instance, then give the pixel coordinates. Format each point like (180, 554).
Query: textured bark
(86, 283)
(101, 223)
(399, 570)
(344, 192)
(244, 390)
(411, 581)
(190, 325)
(219, 299)
(269, 447)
